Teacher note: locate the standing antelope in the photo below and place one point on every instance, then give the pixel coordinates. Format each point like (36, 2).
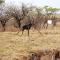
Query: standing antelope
(26, 24)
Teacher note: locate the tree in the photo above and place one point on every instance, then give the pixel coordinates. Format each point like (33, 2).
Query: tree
(12, 11)
(53, 10)
(1, 1)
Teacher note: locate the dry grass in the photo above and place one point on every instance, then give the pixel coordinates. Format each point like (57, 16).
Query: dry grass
(13, 46)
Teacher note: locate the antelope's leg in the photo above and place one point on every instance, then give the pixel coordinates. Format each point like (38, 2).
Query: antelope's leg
(3, 28)
(28, 31)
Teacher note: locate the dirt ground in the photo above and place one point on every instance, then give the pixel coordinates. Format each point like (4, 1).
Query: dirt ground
(14, 45)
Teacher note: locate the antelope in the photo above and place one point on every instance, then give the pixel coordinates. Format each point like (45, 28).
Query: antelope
(26, 24)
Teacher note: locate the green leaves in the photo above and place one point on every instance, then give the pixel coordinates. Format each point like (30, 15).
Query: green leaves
(53, 9)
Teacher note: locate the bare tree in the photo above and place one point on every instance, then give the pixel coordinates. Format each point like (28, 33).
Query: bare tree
(42, 19)
(14, 12)
(3, 19)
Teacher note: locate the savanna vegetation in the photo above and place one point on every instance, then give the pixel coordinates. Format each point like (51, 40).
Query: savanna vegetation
(29, 32)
